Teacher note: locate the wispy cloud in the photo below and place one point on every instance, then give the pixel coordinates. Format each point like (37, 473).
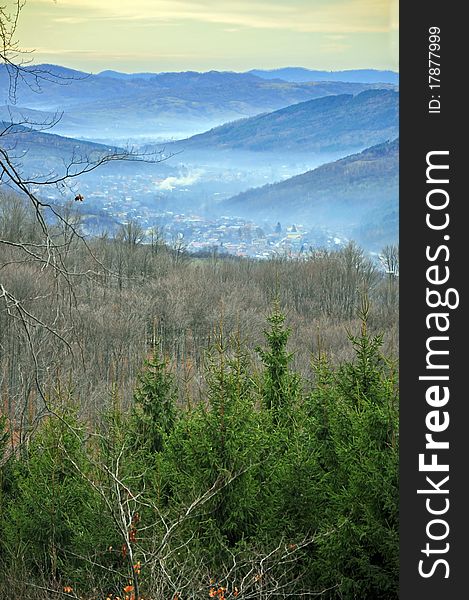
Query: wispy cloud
(204, 34)
(111, 55)
(71, 20)
(322, 16)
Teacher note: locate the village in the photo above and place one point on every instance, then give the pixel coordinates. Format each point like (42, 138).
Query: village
(120, 199)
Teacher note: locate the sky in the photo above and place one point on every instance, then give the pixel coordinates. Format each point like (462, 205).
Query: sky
(200, 35)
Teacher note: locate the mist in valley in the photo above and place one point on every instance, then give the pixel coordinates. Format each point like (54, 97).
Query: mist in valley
(211, 145)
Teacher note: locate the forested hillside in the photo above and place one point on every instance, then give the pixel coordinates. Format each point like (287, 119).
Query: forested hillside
(330, 124)
(181, 427)
(133, 292)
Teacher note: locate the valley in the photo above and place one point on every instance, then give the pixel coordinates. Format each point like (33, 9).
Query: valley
(227, 187)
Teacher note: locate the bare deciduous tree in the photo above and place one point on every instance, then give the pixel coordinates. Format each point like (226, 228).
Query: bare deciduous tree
(44, 242)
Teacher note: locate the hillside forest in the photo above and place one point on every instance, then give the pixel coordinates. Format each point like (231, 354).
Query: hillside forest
(181, 426)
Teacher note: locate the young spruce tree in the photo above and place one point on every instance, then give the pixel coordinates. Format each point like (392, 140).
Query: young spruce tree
(155, 404)
(280, 386)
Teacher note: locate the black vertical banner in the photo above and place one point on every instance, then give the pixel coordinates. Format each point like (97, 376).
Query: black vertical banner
(434, 245)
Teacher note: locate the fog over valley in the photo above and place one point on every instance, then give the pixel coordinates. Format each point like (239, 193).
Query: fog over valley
(220, 161)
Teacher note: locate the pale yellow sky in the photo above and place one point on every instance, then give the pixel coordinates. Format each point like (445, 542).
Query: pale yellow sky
(178, 35)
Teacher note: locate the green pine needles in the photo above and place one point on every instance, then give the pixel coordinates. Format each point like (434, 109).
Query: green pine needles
(280, 386)
(155, 398)
(267, 485)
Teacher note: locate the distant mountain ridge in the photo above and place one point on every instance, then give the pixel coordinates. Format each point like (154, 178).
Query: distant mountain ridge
(111, 105)
(338, 123)
(121, 75)
(301, 75)
(291, 74)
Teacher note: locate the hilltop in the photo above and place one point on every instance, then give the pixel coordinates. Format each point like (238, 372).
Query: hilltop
(339, 123)
(300, 74)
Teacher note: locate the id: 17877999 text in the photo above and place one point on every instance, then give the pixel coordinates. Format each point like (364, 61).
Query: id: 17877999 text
(434, 69)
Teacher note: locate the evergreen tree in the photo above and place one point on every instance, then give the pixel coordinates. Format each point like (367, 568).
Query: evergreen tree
(155, 404)
(354, 417)
(257, 469)
(280, 386)
(216, 446)
(51, 509)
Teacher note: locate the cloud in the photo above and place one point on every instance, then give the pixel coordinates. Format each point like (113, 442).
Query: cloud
(71, 20)
(205, 34)
(54, 52)
(306, 16)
